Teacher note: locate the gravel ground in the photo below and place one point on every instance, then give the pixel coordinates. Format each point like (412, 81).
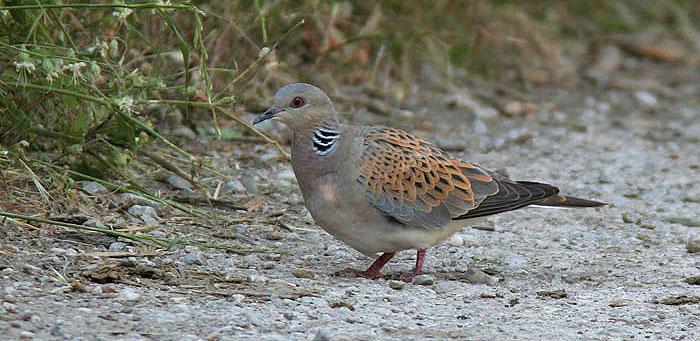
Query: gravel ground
(625, 271)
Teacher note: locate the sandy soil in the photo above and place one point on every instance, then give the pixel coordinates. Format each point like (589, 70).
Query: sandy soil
(619, 272)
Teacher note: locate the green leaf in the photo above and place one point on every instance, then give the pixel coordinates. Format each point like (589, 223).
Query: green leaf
(459, 54)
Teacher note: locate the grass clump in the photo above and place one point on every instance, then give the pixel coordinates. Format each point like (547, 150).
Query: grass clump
(72, 83)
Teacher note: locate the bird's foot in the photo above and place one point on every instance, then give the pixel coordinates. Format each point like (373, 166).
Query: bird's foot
(408, 278)
(420, 256)
(350, 272)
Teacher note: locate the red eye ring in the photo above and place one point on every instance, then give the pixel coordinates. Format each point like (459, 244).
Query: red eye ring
(297, 102)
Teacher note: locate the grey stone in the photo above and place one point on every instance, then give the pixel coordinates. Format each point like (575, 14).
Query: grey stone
(130, 199)
(693, 244)
(183, 131)
(93, 188)
(397, 285)
(476, 276)
(178, 182)
(117, 247)
(456, 240)
(30, 269)
(65, 252)
(146, 213)
(423, 280)
(234, 186)
(694, 280)
(92, 222)
(322, 335)
(646, 98)
(26, 335)
(194, 258)
(287, 175)
(128, 294)
(303, 273)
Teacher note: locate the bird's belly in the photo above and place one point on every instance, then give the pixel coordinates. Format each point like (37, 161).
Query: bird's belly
(346, 214)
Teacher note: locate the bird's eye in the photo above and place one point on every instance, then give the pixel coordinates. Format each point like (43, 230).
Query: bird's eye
(297, 102)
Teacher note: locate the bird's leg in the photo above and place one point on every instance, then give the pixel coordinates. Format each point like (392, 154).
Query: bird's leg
(377, 265)
(373, 271)
(420, 256)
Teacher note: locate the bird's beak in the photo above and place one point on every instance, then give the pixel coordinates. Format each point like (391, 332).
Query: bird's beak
(267, 114)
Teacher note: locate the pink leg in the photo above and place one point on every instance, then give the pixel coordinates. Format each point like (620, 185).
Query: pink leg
(420, 257)
(373, 271)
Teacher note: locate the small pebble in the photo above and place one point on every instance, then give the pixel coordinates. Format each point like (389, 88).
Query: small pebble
(92, 222)
(253, 278)
(215, 336)
(128, 294)
(194, 258)
(303, 273)
(423, 280)
(109, 288)
(130, 199)
(694, 280)
(94, 188)
(619, 303)
(178, 182)
(287, 175)
(478, 277)
(30, 269)
(146, 213)
(66, 252)
(397, 285)
(646, 98)
(269, 156)
(693, 244)
(26, 335)
(184, 131)
(117, 247)
(234, 186)
(631, 218)
(456, 240)
(267, 265)
(322, 335)
(555, 294)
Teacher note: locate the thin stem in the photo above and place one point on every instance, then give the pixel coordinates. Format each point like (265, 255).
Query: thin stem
(93, 6)
(112, 106)
(121, 188)
(135, 237)
(260, 58)
(262, 21)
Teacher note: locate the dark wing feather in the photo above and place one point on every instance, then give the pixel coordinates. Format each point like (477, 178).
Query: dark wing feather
(512, 195)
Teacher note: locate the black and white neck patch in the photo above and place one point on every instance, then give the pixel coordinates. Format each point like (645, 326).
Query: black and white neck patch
(324, 139)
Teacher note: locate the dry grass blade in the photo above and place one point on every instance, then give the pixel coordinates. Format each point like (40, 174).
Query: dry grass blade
(45, 196)
(113, 233)
(141, 238)
(236, 117)
(264, 52)
(171, 167)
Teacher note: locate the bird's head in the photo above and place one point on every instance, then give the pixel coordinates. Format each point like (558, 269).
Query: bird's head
(299, 105)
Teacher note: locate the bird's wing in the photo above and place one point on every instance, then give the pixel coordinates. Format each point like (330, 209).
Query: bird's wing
(418, 184)
(513, 195)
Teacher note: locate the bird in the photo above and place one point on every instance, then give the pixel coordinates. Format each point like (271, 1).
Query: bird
(383, 190)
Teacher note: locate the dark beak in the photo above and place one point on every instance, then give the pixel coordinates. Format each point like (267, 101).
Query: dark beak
(268, 114)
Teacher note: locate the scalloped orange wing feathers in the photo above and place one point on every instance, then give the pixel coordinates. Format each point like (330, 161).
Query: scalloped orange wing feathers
(418, 184)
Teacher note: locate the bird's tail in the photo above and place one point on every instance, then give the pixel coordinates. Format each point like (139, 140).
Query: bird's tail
(560, 200)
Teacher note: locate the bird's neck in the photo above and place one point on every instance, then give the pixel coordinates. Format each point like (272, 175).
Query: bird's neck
(317, 145)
